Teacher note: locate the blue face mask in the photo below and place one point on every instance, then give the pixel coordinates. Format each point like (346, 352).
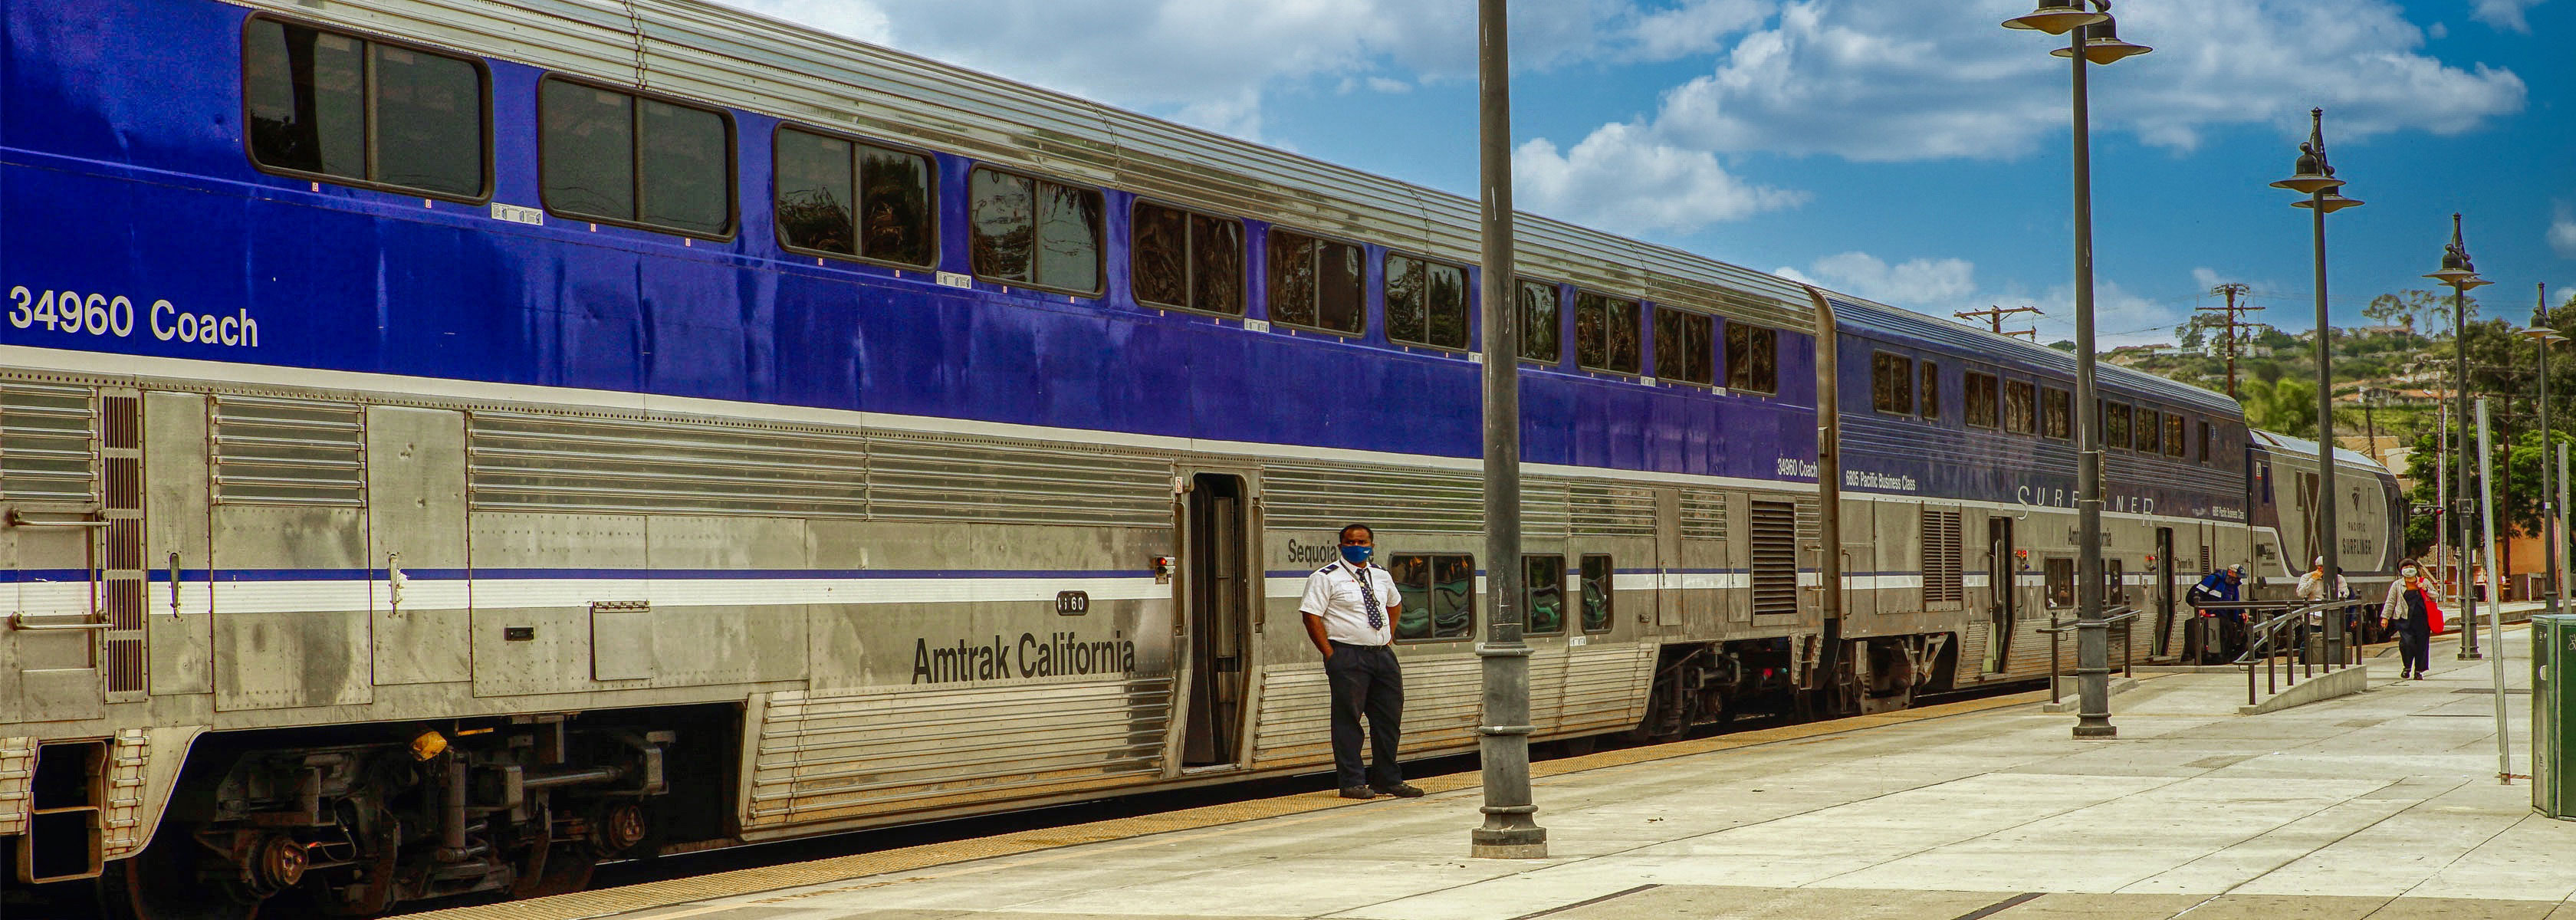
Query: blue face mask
(1357, 554)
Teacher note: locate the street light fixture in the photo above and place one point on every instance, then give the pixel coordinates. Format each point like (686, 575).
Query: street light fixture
(2543, 337)
(2459, 275)
(2092, 39)
(2314, 177)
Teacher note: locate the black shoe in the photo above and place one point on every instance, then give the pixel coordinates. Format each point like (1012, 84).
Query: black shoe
(1399, 789)
(1360, 792)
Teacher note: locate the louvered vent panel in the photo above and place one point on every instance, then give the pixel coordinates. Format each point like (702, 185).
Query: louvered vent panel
(958, 479)
(1612, 511)
(1544, 512)
(1775, 558)
(1704, 515)
(1297, 496)
(288, 452)
(544, 463)
(46, 453)
(1942, 558)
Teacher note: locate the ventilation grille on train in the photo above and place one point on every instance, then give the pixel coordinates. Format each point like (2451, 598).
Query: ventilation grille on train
(1775, 558)
(1303, 497)
(1703, 516)
(1942, 558)
(45, 449)
(290, 452)
(946, 479)
(1611, 511)
(545, 463)
(121, 450)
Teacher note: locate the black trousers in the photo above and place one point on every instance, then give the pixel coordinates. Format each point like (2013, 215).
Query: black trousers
(2414, 644)
(1365, 682)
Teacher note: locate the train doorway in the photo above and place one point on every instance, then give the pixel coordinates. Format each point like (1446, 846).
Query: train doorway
(2163, 598)
(2003, 590)
(1218, 595)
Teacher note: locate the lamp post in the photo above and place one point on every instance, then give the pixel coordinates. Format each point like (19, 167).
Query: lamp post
(2092, 38)
(2314, 177)
(2542, 336)
(2459, 275)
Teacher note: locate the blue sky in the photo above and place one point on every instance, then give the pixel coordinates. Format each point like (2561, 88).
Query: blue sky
(1907, 150)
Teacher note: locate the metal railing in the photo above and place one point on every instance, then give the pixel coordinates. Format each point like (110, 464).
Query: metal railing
(2264, 648)
(2119, 616)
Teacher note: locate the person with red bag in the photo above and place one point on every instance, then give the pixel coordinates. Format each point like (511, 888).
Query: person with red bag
(2414, 616)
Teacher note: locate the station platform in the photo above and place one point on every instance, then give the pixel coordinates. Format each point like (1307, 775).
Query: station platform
(2383, 804)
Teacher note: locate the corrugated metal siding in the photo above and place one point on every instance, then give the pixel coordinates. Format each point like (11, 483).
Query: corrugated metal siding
(46, 450)
(1590, 688)
(549, 463)
(1703, 515)
(826, 757)
(290, 452)
(949, 478)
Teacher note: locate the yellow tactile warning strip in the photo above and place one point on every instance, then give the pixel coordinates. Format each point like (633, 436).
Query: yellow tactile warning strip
(770, 878)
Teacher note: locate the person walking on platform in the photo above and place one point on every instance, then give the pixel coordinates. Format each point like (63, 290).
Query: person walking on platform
(1350, 608)
(2312, 588)
(2413, 615)
(2218, 586)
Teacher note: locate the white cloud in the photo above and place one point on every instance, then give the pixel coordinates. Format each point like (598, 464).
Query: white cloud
(2562, 232)
(1925, 285)
(2504, 14)
(1622, 179)
(1941, 287)
(1697, 27)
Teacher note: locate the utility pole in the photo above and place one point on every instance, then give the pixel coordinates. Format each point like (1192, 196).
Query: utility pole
(1994, 317)
(2030, 335)
(1510, 829)
(2231, 291)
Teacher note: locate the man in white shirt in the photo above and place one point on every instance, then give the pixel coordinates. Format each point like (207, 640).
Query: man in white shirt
(1350, 609)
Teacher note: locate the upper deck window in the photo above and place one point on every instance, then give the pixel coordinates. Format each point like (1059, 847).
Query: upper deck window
(1605, 333)
(1685, 346)
(1540, 338)
(1752, 359)
(1316, 283)
(1033, 232)
(609, 156)
(2115, 425)
(2020, 415)
(1891, 387)
(1426, 302)
(1187, 260)
(363, 112)
(2056, 414)
(2207, 433)
(1931, 391)
(1984, 400)
(2174, 435)
(856, 200)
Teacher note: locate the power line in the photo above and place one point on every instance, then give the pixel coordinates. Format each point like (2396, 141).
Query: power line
(1994, 317)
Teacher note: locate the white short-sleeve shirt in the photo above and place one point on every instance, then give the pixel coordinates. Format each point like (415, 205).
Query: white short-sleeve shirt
(1333, 593)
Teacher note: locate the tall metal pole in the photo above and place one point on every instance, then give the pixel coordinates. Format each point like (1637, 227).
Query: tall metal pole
(2092, 635)
(1511, 828)
(2442, 485)
(2548, 494)
(2330, 542)
(2495, 589)
(2460, 352)
(2558, 525)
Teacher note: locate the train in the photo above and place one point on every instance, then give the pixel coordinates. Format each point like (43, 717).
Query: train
(448, 445)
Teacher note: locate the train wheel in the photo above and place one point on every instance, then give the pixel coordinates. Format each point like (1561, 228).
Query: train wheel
(567, 870)
(164, 882)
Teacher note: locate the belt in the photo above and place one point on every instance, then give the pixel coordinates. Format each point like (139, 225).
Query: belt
(1353, 644)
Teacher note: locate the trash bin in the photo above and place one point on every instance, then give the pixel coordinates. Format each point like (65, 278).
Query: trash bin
(2553, 701)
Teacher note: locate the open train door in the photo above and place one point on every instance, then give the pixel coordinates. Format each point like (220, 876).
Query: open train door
(1220, 585)
(2003, 593)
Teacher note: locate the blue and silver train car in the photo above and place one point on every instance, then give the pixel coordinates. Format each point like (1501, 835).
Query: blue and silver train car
(2281, 490)
(444, 445)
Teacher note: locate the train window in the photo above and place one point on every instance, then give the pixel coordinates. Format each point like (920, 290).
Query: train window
(2018, 411)
(2115, 587)
(1685, 346)
(2115, 425)
(856, 200)
(2056, 413)
(1426, 302)
(1892, 383)
(1985, 401)
(1187, 260)
(1931, 391)
(364, 112)
(2061, 581)
(607, 156)
(2206, 431)
(2174, 430)
(1597, 598)
(1752, 359)
(1034, 232)
(1543, 587)
(1605, 333)
(1439, 594)
(2149, 427)
(1315, 283)
(1539, 334)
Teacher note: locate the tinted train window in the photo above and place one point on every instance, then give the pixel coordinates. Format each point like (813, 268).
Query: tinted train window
(1315, 283)
(2061, 581)
(2173, 435)
(1752, 359)
(1891, 386)
(1985, 401)
(851, 199)
(1426, 302)
(2018, 408)
(1596, 593)
(1543, 586)
(1685, 346)
(2115, 425)
(349, 109)
(1439, 594)
(1034, 232)
(1931, 390)
(1539, 333)
(2148, 430)
(2206, 431)
(2056, 414)
(1187, 260)
(614, 157)
(1605, 333)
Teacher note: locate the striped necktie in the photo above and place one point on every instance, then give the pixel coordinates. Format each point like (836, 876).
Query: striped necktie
(1368, 596)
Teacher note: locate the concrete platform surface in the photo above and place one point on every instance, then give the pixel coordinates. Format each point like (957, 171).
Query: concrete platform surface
(2384, 804)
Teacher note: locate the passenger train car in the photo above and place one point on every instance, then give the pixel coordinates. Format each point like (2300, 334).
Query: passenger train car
(445, 444)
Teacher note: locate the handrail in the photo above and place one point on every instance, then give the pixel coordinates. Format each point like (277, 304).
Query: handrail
(2121, 615)
(2260, 639)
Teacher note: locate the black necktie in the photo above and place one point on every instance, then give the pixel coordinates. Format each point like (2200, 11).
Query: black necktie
(1368, 596)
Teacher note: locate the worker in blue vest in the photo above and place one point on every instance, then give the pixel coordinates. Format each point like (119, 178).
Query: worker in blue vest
(2223, 585)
